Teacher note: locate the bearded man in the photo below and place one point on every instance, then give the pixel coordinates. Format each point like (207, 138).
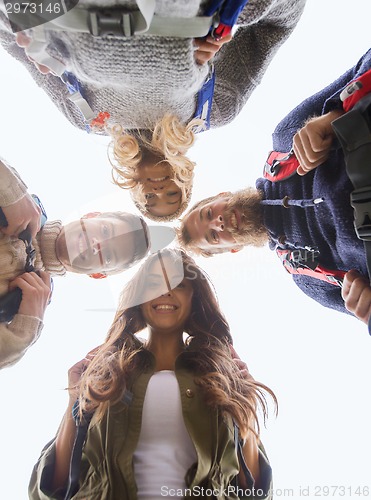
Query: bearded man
(305, 217)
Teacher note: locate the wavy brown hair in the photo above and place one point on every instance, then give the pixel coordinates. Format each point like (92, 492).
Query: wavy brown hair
(123, 356)
(169, 141)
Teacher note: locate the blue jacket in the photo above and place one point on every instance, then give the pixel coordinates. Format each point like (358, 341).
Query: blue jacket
(328, 226)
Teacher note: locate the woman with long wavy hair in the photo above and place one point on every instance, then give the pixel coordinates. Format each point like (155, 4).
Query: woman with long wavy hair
(175, 414)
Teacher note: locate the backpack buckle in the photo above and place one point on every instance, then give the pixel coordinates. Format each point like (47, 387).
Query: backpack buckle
(111, 22)
(360, 199)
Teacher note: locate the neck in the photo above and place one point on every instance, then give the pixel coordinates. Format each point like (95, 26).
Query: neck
(45, 245)
(166, 347)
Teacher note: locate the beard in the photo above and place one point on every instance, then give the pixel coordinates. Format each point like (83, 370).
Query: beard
(251, 230)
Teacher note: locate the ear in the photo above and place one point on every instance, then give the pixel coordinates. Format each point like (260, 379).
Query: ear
(91, 215)
(236, 249)
(97, 276)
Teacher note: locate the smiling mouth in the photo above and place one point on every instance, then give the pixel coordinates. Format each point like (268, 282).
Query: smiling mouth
(158, 179)
(165, 307)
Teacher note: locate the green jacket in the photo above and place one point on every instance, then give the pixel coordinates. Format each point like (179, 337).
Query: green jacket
(107, 461)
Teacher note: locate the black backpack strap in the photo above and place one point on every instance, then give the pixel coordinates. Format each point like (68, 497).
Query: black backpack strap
(353, 131)
(82, 429)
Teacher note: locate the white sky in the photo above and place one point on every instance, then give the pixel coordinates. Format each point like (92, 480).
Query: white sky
(317, 361)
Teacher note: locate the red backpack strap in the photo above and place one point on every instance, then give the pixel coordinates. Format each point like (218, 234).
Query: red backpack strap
(280, 166)
(293, 265)
(356, 90)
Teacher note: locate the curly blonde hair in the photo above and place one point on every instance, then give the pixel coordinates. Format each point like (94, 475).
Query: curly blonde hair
(123, 356)
(169, 141)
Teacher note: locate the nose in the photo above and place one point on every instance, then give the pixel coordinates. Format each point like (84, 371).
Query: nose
(169, 293)
(95, 245)
(217, 223)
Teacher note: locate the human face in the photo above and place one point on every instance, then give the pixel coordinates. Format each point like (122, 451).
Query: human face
(167, 312)
(163, 196)
(212, 226)
(101, 244)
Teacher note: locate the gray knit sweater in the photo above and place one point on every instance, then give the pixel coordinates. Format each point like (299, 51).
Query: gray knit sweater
(137, 80)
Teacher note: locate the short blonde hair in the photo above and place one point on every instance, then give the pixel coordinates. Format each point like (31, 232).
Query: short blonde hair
(169, 141)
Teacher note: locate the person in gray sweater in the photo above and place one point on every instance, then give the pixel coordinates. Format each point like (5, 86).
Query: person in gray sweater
(149, 85)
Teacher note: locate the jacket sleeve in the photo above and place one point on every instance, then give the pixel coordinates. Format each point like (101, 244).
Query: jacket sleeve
(254, 491)
(320, 103)
(12, 188)
(324, 293)
(40, 483)
(16, 337)
(363, 65)
(241, 63)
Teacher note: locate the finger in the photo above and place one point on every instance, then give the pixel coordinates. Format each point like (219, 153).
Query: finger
(23, 284)
(349, 277)
(13, 230)
(355, 291)
(44, 70)
(233, 352)
(202, 57)
(46, 278)
(22, 40)
(319, 143)
(34, 227)
(362, 309)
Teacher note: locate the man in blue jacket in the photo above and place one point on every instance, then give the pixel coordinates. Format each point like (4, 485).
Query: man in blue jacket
(306, 217)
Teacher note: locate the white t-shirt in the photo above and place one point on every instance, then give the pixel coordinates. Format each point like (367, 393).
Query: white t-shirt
(165, 451)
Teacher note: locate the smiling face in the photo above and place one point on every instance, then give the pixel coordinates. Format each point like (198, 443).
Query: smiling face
(226, 222)
(167, 312)
(210, 227)
(103, 244)
(163, 196)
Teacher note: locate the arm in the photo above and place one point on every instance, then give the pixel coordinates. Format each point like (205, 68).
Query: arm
(320, 103)
(261, 487)
(241, 63)
(52, 85)
(25, 328)
(255, 471)
(50, 475)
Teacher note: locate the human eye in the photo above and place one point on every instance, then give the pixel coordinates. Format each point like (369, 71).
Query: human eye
(153, 283)
(107, 258)
(149, 196)
(172, 193)
(209, 213)
(105, 231)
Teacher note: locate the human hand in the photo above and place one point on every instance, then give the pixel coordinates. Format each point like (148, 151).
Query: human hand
(356, 293)
(244, 371)
(22, 40)
(35, 293)
(75, 373)
(312, 143)
(20, 215)
(205, 49)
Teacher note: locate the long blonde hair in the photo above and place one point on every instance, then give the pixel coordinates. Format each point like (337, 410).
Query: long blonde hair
(169, 141)
(122, 357)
